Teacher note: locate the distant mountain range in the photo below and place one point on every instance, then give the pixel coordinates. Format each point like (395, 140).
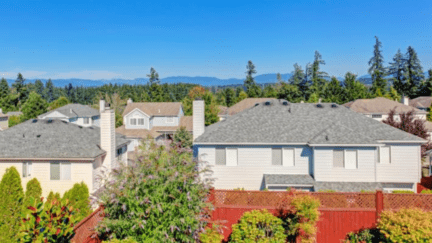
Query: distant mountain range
(204, 81)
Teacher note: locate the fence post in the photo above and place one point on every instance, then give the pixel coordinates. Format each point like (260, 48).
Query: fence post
(212, 195)
(379, 203)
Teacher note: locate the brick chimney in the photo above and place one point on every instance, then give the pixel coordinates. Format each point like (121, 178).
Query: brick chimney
(405, 100)
(107, 131)
(198, 118)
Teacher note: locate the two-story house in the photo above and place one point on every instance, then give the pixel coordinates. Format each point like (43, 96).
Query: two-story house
(158, 120)
(82, 115)
(60, 153)
(277, 144)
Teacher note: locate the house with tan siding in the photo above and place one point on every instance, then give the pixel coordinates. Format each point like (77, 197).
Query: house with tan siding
(276, 144)
(60, 153)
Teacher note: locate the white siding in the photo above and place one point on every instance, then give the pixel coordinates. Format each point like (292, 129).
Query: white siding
(324, 170)
(162, 121)
(404, 165)
(253, 163)
(136, 114)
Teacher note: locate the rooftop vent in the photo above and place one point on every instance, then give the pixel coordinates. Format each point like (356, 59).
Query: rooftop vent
(257, 104)
(38, 135)
(80, 126)
(334, 106)
(326, 137)
(267, 103)
(65, 122)
(49, 121)
(34, 120)
(285, 103)
(320, 106)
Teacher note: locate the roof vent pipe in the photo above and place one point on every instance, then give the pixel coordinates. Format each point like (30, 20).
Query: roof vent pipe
(319, 100)
(302, 101)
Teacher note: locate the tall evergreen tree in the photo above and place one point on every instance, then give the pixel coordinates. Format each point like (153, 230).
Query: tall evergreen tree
(49, 92)
(230, 97)
(298, 75)
(252, 89)
(397, 69)
(414, 72)
(156, 92)
(333, 91)
(289, 92)
(11, 197)
(39, 87)
(427, 85)
(34, 106)
(78, 196)
(317, 76)
(33, 190)
(353, 89)
(270, 91)
(377, 70)
(153, 76)
(20, 88)
(279, 78)
(4, 88)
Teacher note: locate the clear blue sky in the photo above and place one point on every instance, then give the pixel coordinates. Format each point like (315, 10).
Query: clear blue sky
(112, 39)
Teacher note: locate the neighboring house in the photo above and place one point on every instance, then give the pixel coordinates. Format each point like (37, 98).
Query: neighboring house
(4, 121)
(82, 115)
(59, 153)
(241, 106)
(422, 103)
(276, 145)
(14, 113)
(158, 120)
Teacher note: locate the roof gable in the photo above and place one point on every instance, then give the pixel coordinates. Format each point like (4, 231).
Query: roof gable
(155, 108)
(380, 105)
(74, 110)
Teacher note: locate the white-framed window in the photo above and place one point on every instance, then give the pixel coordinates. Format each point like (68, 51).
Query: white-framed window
(27, 169)
(133, 121)
(60, 171)
(384, 155)
(86, 120)
(141, 121)
(231, 157)
(288, 157)
(345, 158)
(376, 116)
(170, 119)
(350, 159)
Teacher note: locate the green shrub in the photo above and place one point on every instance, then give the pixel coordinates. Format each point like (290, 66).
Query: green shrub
(53, 196)
(11, 197)
(33, 190)
(15, 120)
(258, 226)
(426, 192)
(182, 138)
(50, 222)
(211, 235)
(403, 192)
(363, 236)
(328, 190)
(78, 196)
(159, 197)
(304, 216)
(127, 240)
(406, 225)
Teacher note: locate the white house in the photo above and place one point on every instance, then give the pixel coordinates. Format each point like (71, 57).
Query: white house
(82, 115)
(277, 144)
(59, 153)
(158, 120)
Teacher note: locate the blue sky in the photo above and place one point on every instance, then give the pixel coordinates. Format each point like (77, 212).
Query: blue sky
(112, 39)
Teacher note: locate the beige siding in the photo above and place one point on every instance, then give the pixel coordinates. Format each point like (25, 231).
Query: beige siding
(404, 165)
(324, 170)
(80, 172)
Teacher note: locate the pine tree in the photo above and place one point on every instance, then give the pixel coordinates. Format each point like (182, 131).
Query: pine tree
(317, 76)
(270, 91)
(279, 78)
(182, 138)
(20, 88)
(377, 70)
(298, 75)
(156, 92)
(230, 97)
(4, 88)
(393, 94)
(39, 87)
(427, 85)
(153, 76)
(61, 101)
(252, 89)
(397, 69)
(353, 89)
(78, 196)
(11, 197)
(414, 73)
(33, 190)
(49, 93)
(242, 95)
(333, 91)
(289, 92)
(34, 106)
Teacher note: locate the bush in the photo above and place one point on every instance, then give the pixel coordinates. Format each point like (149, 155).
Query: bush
(127, 240)
(53, 196)
(50, 222)
(78, 197)
(403, 192)
(33, 190)
(211, 235)
(406, 225)
(363, 236)
(426, 192)
(182, 138)
(11, 197)
(15, 120)
(258, 226)
(157, 198)
(303, 218)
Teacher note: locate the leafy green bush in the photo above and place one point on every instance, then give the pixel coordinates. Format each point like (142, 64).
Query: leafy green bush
(159, 197)
(363, 236)
(50, 222)
(11, 197)
(15, 120)
(182, 138)
(403, 192)
(127, 240)
(258, 226)
(211, 235)
(33, 190)
(53, 196)
(406, 225)
(78, 197)
(426, 192)
(303, 218)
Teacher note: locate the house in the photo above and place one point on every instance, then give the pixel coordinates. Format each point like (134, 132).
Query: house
(82, 115)
(241, 106)
(158, 120)
(422, 103)
(277, 144)
(60, 153)
(14, 113)
(4, 121)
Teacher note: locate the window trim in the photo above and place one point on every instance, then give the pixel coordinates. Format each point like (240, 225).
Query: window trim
(131, 123)
(86, 119)
(356, 157)
(60, 171)
(377, 115)
(28, 165)
(170, 117)
(283, 156)
(389, 155)
(138, 121)
(226, 156)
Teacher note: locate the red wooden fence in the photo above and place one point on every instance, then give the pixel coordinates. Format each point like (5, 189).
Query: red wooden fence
(85, 230)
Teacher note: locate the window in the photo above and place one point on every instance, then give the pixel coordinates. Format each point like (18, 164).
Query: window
(86, 120)
(276, 156)
(231, 157)
(60, 171)
(288, 157)
(141, 121)
(384, 155)
(120, 151)
(220, 156)
(133, 121)
(27, 169)
(376, 116)
(170, 119)
(350, 159)
(338, 158)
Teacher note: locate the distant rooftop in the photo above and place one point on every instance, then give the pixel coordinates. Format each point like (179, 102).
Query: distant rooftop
(74, 110)
(380, 105)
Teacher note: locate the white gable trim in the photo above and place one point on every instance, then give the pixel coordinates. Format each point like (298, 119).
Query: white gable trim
(346, 145)
(401, 141)
(54, 114)
(240, 143)
(136, 109)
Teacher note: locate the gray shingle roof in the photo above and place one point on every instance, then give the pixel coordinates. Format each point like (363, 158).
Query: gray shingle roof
(74, 110)
(347, 186)
(301, 123)
(288, 179)
(52, 139)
